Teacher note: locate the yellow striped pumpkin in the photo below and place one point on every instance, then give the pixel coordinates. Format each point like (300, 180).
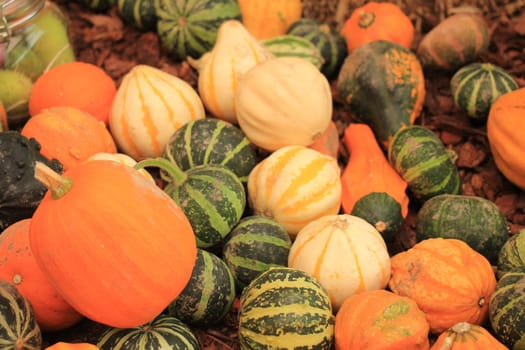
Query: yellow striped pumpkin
(345, 253)
(235, 51)
(295, 185)
(150, 105)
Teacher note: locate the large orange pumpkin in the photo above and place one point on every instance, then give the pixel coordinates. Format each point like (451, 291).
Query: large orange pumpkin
(115, 245)
(380, 319)
(507, 144)
(450, 281)
(18, 266)
(69, 134)
(378, 21)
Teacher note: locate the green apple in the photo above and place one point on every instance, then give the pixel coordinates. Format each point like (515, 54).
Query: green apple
(49, 38)
(15, 91)
(21, 58)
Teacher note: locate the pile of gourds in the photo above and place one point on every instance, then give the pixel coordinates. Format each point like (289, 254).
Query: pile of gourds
(178, 200)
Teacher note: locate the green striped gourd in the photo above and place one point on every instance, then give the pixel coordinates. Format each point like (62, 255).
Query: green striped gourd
(212, 141)
(512, 254)
(162, 333)
(507, 309)
(189, 27)
(253, 246)
(328, 40)
(209, 294)
(422, 159)
(475, 220)
(18, 327)
(140, 13)
(296, 46)
(477, 85)
(211, 195)
(287, 308)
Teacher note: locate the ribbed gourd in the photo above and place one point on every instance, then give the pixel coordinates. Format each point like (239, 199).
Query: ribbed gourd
(422, 159)
(477, 85)
(189, 28)
(285, 308)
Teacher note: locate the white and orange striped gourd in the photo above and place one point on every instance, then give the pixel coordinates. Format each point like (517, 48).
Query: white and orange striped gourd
(150, 105)
(283, 101)
(295, 185)
(234, 52)
(121, 158)
(345, 253)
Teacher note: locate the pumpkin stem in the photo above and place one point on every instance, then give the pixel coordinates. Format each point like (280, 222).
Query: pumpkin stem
(56, 183)
(177, 175)
(366, 19)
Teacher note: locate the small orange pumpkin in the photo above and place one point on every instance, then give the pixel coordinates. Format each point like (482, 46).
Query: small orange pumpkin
(380, 319)
(115, 245)
(19, 267)
(378, 21)
(368, 170)
(466, 336)
(449, 280)
(268, 19)
(72, 346)
(69, 134)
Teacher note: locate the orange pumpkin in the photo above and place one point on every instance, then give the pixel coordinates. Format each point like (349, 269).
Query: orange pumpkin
(268, 19)
(504, 125)
(19, 267)
(116, 247)
(450, 281)
(378, 21)
(380, 319)
(466, 336)
(72, 346)
(368, 170)
(69, 135)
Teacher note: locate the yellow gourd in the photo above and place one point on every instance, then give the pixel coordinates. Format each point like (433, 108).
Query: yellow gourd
(283, 101)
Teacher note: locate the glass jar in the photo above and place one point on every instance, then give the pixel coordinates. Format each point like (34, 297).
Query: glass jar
(34, 37)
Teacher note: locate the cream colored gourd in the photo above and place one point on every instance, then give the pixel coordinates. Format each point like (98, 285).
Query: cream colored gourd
(345, 253)
(283, 101)
(234, 52)
(121, 158)
(295, 185)
(150, 105)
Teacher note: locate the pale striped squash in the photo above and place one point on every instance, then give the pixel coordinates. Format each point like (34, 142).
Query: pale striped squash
(121, 158)
(295, 185)
(234, 53)
(345, 253)
(150, 105)
(285, 308)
